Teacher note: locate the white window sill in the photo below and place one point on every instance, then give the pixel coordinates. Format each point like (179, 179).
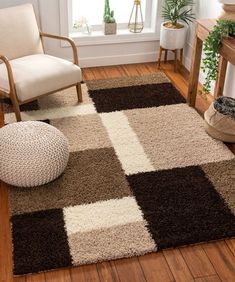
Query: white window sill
(122, 36)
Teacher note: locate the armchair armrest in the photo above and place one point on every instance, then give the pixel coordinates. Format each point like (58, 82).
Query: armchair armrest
(70, 41)
(9, 73)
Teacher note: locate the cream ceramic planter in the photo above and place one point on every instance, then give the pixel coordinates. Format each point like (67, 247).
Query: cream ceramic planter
(229, 9)
(171, 38)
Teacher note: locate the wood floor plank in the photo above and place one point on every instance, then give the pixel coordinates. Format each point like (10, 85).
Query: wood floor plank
(129, 270)
(36, 278)
(5, 237)
(62, 275)
(197, 261)
(99, 73)
(107, 272)
(87, 74)
(144, 70)
(130, 70)
(156, 268)
(177, 265)
(20, 279)
(231, 245)
(85, 273)
(222, 260)
(112, 72)
(121, 71)
(213, 278)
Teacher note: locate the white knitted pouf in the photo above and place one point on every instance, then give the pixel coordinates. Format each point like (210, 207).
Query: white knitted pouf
(32, 153)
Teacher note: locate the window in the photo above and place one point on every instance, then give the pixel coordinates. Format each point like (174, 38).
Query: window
(92, 11)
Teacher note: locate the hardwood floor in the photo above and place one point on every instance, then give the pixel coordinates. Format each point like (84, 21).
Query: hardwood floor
(209, 262)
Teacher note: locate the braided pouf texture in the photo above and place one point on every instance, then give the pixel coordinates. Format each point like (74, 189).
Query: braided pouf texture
(32, 153)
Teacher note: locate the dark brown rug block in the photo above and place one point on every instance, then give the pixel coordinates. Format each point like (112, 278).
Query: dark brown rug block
(141, 96)
(40, 242)
(182, 207)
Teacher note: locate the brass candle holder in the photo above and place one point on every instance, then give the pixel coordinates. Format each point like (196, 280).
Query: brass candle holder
(136, 23)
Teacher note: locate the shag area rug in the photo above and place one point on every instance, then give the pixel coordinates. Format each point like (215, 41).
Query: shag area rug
(142, 176)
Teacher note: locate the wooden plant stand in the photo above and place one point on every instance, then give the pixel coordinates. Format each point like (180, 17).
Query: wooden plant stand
(175, 56)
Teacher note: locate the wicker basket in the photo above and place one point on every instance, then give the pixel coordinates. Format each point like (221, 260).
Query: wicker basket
(219, 125)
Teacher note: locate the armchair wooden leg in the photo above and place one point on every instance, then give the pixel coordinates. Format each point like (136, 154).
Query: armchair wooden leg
(16, 108)
(79, 92)
(16, 105)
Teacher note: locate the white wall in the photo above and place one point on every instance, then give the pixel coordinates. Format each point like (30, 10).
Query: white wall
(9, 3)
(209, 9)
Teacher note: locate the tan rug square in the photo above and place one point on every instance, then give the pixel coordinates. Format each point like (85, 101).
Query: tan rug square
(222, 176)
(111, 243)
(177, 149)
(83, 132)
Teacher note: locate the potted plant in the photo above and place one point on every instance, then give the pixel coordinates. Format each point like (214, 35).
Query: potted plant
(110, 25)
(223, 28)
(177, 14)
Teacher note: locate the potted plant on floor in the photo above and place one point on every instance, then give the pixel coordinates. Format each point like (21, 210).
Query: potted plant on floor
(178, 14)
(110, 25)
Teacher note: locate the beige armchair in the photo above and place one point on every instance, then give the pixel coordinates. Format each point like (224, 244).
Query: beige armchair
(26, 72)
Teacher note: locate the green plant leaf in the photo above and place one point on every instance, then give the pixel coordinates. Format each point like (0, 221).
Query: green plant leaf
(178, 10)
(211, 47)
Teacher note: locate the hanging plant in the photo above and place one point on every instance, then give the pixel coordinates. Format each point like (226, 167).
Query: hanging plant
(212, 45)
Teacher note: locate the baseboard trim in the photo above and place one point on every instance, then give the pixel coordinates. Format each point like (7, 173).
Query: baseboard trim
(119, 59)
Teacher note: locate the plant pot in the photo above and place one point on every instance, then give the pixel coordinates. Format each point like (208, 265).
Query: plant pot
(110, 28)
(228, 10)
(173, 38)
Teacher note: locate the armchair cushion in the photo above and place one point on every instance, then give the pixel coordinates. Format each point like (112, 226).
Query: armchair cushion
(39, 74)
(19, 34)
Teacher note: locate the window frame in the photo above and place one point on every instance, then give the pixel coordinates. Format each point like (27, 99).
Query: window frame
(151, 33)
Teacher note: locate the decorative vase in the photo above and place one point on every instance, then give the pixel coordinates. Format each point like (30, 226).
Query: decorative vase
(229, 10)
(110, 28)
(173, 38)
(136, 22)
